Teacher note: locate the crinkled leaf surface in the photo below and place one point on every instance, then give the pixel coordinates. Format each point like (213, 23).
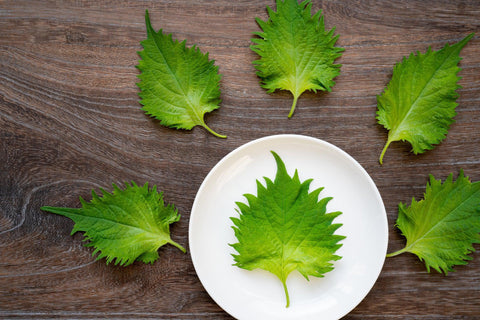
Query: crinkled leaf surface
(286, 228)
(418, 104)
(441, 228)
(178, 84)
(296, 52)
(125, 225)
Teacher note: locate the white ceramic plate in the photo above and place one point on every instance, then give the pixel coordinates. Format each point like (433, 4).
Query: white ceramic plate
(258, 294)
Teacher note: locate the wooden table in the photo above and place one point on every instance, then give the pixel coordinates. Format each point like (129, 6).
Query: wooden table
(70, 121)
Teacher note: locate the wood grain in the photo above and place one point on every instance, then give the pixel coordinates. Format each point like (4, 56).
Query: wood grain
(70, 121)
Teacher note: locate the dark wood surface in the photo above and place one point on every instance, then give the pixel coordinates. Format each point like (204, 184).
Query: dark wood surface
(70, 121)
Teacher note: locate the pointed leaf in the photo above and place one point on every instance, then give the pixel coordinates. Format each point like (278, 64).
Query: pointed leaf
(125, 225)
(441, 228)
(178, 84)
(285, 228)
(296, 53)
(418, 104)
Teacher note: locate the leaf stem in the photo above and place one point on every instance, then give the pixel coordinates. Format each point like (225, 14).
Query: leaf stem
(284, 282)
(178, 246)
(294, 104)
(213, 132)
(396, 253)
(383, 151)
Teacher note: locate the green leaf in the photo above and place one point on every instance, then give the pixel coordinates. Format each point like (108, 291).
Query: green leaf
(126, 225)
(418, 104)
(286, 228)
(296, 52)
(441, 228)
(178, 84)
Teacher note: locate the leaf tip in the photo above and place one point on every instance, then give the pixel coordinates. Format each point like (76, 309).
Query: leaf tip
(148, 24)
(279, 161)
(465, 40)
